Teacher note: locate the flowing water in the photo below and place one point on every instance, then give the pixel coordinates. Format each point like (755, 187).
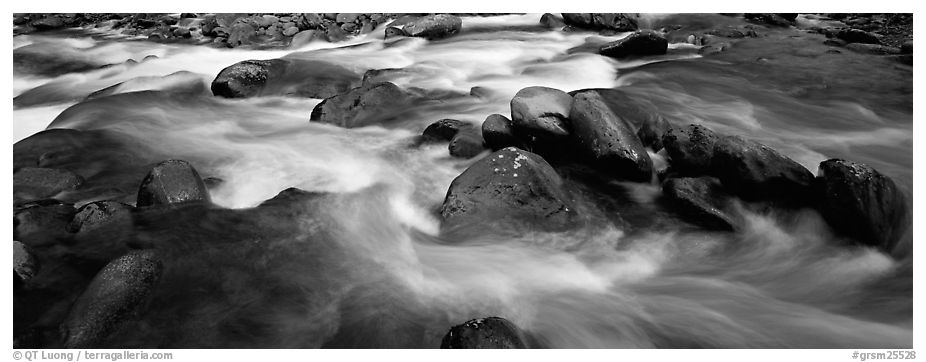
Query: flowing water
(381, 275)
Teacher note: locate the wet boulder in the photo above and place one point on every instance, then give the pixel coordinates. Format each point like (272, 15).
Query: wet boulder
(172, 182)
(430, 27)
(49, 22)
(551, 21)
(466, 144)
(243, 79)
(25, 264)
(601, 21)
(100, 214)
(33, 183)
(444, 130)
(42, 222)
(511, 187)
(497, 133)
(652, 130)
(754, 171)
(363, 106)
(701, 200)
(860, 202)
(114, 294)
(485, 333)
(857, 36)
(608, 140)
(283, 77)
(639, 43)
(540, 116)
(691, 148)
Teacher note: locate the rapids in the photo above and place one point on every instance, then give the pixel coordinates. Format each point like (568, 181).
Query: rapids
(384, 277)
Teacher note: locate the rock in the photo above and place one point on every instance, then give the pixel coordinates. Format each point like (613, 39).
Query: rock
(346, 17)
(172, 182)
(42, 222)
(25, 264)
(241, 34)
(243, 79)
(607, 139)
(467, 143)
(363, 106)
(32, 183)
(875, 49)
(114, 294)
(49, 22)
(290, 31)
(835, 42)
(551, 21)
(857, 36)
(766, 18)
(182, 33)
(597, 21)
(860, 202)
(394, 32)
(312, 20)
(433, 27)
(640, 43)
(497, 133)
(444, 130)
(302, 38)
(485, 333)
(691, 149)
(99, 214)
(349, 27)
(700, 199)
(283, 77)
(267, 20)
(752, 170)
(334, 33)
(652, 130)
(188, 15)
(906, 47)
(540, 115)
(367, 27)
(510, 187)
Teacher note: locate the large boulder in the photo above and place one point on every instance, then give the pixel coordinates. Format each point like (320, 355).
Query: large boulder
(443, 130)
(510, 186)
(114, 294)
(540, 116)
(33, 183)
(607, 139)
(857, 36)
(363, 106)
(639, 43)
(100, 214)
(551, 21)
(691, 149)
(25, 264)
(283, 77)
(485, 333)
(497, 133)
(466, 144)
(701, 200)
(172, 182)
(860, 202)
(243, 79)
(755, 171)
(601, 21)
(430, 26)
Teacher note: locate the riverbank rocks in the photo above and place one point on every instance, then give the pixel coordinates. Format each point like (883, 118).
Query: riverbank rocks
(510, 186)
(497, 133)
(430, 27)
(608, 141)
(283, 77)
(363, 106)
(466, 144)
(172, 182)
(691, 148)
(701, 200)
(639, 43)
(485, 333)
(860, 202)
(443, 130)
(116, 291)
(33, 183)
(755, 171)
(540, 116)
(602, 21)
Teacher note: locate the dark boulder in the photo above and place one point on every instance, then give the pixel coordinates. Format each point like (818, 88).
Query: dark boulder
(443, 130)
(100, 214)
(284, 77)
(551, 21)
(857, 36)
(860, 202)
(876, 49)
(431, 26)
(540, 116)
(241, 34)
(601, 21)
(114, 294)
(42, 222)
(640, 43)
(243, 79)
(172, 182)
(33, 183)
(652, 130)
(497, 133)
(485, 333)
(607, 139)
(48, 22)
(510, 186)
(768, 18)
(906, 47)
(701, 200)
(466, 144)
(363, 106)
(755, 171)
(691, 149)
(25, 264)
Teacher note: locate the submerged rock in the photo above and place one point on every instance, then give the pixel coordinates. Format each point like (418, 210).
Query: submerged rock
(363, 106)
(599, 21)
(510, 186)
(860, 202)
(466, 144)
(444, 130)
(172, 182)
(485, 333)
(33, 183)
(640, 43)
(497, 133)
(42, 222)
(700, 199)
(114, 294)
(607, 139)
(539, 116)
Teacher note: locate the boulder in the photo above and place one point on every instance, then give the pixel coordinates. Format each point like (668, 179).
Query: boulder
(42, 222)
(651, 131)
(639, 43)
(99, 214)
(906, 47)
(607, 139)
(768, 18)
(49, 22)
(857, 36)
(241, 34)
(267, 20)
(25, 264)
(467, 143)
(290, 31)
(498, 134)
(114, 294)
(443, 130)
(485, 333)
(393, 31)
(283, 77)
(363, 106)
(860, 202)
(876, 49)
(691, 149)
(701, 200)
(601, 21)
(551, 21)
(540, 116)
(510, 187)
(172, 182)
(347, 17)
(334, 33)
(33, 183)
(432, 26)
(182, 33)
(752, 170)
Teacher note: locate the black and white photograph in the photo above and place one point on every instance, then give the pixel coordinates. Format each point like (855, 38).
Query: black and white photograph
(525, 180)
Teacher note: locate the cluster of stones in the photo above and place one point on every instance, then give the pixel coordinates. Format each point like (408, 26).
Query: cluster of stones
(860, 34)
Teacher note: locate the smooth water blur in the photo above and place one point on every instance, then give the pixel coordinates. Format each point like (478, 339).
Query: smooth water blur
(783, 281)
